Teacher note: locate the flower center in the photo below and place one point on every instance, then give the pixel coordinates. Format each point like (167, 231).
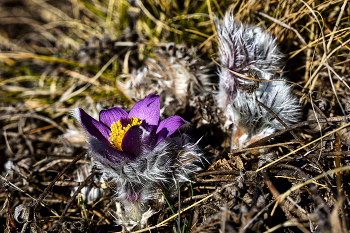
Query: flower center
(118, 131)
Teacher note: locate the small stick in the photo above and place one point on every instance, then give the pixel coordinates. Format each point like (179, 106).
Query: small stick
(48, 188)
(263, 147)
(285, 26)
(326, 135)
(174, 216)
(304, 123)
(74, 196)
(219, 172)
(39, 117)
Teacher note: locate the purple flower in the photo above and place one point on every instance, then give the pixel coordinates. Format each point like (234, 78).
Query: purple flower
(137, 158)
(127, 135)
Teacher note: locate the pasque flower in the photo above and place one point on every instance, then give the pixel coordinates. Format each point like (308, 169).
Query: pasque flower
(128, 134)
(138, 156)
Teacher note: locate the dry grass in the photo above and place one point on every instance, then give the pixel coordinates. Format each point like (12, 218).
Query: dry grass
(56, 55)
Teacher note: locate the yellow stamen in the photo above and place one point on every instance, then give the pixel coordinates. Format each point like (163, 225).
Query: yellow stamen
(118, 131)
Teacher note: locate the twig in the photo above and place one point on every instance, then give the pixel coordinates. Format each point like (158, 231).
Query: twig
(27, 194)
(258, 214)
(298, 186)
(284, 25)
(61, 161)
(48, 188)
(174, 216)
(34, 138)
(212, 180)
(71, 184)
(218, 172)
(277, 160)
(39, 117)
(206, 41)
(331, 154)
(250, 78)
(263, 147)
(74, 196)
(304, 123)
(289, 223)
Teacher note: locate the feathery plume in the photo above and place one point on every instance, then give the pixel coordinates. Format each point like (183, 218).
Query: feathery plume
(250, 51)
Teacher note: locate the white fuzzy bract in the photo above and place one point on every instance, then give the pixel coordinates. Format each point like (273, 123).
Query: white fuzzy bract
(250, 51)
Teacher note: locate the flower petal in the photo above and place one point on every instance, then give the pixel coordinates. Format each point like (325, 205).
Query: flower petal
(107, 154)
(111, 115)
(137, 137)
(147, 109)
(94, 127)
(168, 126)
(132, 141)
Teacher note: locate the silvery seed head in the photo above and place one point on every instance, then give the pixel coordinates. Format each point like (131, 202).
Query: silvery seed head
(250, 51)
(174, 73)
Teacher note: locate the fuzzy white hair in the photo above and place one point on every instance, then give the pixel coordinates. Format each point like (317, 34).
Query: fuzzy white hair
(173, 73)
(156, 170)
(250, 51)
